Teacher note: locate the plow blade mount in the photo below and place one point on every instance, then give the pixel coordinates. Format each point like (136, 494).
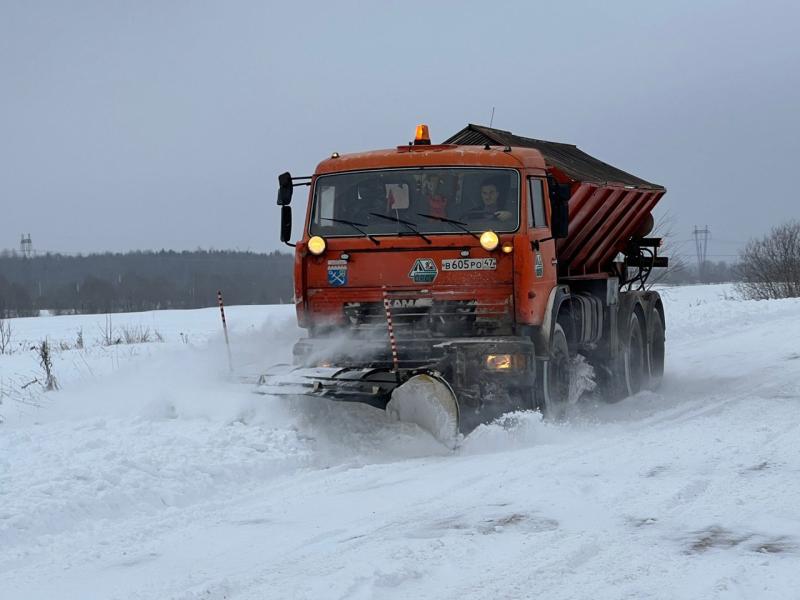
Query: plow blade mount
(420, 397)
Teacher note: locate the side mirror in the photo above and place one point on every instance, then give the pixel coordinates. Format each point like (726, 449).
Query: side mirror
(559, 205)
(286, 222)
(285, 189)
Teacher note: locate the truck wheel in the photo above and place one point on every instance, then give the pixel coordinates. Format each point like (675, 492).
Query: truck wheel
(556, 373)
(655, 350)
(634, 360)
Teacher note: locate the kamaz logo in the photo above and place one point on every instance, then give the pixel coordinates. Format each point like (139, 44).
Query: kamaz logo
(411, 302)
(423, 271)
(403, 303)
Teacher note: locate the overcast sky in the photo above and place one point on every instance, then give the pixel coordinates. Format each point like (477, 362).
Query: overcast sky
(139, 125)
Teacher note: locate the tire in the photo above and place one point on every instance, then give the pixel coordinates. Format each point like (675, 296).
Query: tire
(556, 374)
(634, 373)
(655, 350)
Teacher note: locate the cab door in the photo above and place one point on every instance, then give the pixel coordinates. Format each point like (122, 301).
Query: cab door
(543, 270)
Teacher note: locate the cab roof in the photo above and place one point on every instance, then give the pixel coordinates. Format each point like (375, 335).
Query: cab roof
(441, 155)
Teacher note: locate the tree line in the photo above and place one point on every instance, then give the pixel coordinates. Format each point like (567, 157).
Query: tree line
(137, 281)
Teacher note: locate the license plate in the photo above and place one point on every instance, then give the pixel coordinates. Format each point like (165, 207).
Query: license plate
(469, 264)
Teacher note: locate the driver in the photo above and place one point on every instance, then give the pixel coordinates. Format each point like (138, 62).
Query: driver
(491, 202)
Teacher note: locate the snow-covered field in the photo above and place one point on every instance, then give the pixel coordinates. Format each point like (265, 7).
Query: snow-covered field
(152, 474)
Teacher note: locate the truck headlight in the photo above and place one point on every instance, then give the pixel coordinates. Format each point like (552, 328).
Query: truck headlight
(505, 362)
(316, 245)
(489, 240)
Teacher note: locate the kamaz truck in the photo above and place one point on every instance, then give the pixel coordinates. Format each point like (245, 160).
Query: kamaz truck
(452, 283)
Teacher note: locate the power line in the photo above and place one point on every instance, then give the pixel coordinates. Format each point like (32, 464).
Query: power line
(715, 240)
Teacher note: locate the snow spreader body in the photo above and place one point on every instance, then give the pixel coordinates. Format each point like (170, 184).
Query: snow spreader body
(473, 270)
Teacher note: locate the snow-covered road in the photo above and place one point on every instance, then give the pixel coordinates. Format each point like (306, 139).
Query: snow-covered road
(150, 475)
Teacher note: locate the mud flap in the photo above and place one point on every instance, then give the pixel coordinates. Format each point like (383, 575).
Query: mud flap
(428, 401)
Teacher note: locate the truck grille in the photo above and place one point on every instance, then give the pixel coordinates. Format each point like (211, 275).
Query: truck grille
(420, 318)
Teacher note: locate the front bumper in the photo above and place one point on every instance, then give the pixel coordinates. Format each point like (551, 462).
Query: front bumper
(483, 393)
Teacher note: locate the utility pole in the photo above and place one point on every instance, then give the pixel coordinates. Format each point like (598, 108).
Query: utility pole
(25, 245)
(701, 244)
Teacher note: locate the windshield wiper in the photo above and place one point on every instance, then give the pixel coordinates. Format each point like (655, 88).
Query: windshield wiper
(408, 224)
(459, 224)
(356, 226)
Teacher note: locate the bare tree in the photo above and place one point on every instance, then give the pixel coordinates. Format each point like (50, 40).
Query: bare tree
(45, 360)
(5, 336)
(770, 267)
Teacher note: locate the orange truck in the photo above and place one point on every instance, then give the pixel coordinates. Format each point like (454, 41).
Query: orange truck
(452, 283)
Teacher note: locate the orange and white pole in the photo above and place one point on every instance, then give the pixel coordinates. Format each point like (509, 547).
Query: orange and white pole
(392, 340)
(225, 329)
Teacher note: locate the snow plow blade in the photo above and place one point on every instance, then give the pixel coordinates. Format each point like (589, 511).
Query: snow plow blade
(428, 400)
(420, 397)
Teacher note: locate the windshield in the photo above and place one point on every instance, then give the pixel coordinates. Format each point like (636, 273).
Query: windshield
(414, 201)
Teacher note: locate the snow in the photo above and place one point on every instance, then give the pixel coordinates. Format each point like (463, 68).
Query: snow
(153, 473)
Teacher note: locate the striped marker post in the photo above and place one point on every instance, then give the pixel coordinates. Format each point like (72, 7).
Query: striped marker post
(392, 341)
(225, 329)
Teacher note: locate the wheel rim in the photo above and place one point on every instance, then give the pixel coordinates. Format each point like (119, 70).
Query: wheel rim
(634, 356)
(557, 378)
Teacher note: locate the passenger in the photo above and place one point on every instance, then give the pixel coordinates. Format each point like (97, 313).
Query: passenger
(436, 200)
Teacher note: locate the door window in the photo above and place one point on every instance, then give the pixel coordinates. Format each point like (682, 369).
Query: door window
(536, 216)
